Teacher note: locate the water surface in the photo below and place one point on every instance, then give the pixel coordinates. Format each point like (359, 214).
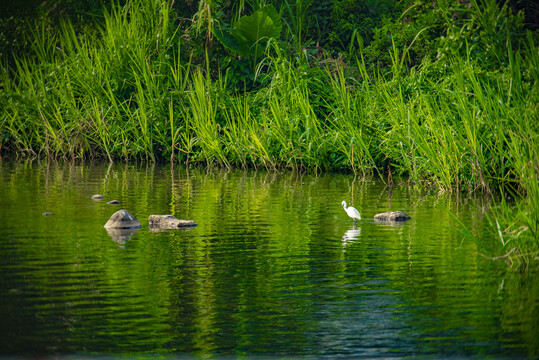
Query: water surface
(275, 268)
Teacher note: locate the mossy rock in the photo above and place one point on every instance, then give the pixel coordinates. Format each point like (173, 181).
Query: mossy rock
(392, 216)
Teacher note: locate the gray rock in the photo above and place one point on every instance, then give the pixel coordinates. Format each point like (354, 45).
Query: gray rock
(47, 214)
(168, 222)
(123, 219)
(97, 197)
(392, 216)
(113, 202)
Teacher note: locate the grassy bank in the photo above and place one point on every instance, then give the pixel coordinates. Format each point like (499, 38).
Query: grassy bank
(134, 88)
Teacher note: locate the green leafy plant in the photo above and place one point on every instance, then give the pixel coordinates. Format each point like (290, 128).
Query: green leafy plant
(249, 35)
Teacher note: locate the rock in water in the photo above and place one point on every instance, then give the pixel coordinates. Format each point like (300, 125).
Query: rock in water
(97, 197)
(168, 222)
(113, 202)
(392, 216)
(123, 219)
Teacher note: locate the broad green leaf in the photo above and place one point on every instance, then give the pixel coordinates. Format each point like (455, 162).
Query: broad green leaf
(264, 23)
(227, 39)
(249, 33)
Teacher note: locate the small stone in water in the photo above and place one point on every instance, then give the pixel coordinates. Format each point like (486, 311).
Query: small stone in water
(47, 214)
(97, 197)
(113, 202)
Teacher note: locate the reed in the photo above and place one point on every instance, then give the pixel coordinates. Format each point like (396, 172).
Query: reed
(352, 124)
(204, 103)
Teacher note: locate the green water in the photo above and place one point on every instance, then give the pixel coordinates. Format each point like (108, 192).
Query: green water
(275, 268)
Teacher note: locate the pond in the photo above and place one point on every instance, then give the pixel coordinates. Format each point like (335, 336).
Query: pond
(275, 268)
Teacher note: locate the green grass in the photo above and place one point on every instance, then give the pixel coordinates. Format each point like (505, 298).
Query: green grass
(131, 89)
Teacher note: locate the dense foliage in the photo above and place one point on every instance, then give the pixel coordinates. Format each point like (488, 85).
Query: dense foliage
(444, 93)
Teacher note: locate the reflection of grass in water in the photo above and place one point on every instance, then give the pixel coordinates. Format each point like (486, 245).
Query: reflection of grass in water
(513, 225)
(266, 241)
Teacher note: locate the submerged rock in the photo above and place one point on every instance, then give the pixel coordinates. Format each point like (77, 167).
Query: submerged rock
(113, 202)
(392, 216)
(168, 222)
(123, 219)
(97, 197)
(47, 214)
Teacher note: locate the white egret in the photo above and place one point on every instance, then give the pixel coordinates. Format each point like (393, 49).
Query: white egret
(351, 211)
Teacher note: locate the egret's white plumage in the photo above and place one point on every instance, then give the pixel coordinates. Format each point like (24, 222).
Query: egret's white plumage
(351, 211)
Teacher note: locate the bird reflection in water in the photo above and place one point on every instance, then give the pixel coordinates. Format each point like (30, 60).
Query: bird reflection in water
(351, 235)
